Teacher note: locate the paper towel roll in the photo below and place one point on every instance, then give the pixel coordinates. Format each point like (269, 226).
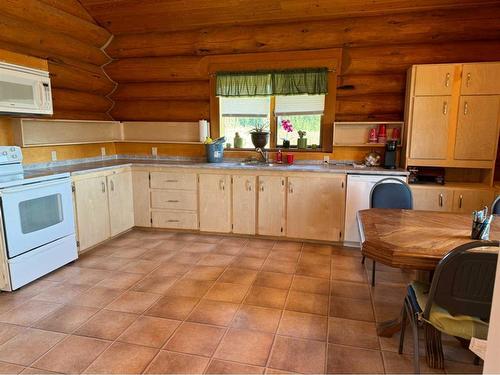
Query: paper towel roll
(203, 130)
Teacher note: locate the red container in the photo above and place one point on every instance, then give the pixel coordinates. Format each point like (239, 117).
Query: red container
(289, 158)
(382, 130)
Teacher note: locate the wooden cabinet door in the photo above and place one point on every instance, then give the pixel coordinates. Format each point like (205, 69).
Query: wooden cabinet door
(92, 212)
(244, 204)
(468, 200)
(477, 128)
(432, 198)
(481, 79)
(215, 203)
(315, 207)
(434, 79)
(121, 202)
(142, 199)
(429, 127)
(271, 206)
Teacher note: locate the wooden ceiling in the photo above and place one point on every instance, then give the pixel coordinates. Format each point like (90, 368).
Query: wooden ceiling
(140, 16)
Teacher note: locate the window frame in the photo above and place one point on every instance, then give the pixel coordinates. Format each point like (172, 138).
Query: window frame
(329, 58)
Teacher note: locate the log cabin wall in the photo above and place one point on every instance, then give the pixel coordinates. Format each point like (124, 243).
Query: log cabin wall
(162, 75)
(62, 32)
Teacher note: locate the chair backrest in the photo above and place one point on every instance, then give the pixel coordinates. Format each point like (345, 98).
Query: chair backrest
(391, 193)
(495, 206)
(464, 279)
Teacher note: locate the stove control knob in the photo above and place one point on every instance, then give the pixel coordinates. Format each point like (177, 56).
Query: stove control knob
(14, 156)
(4, 153)
(12, 149)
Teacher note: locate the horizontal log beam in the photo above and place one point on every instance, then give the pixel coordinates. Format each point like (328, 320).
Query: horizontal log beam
(76, 115)
(193, 90)
(48, 43)
(370, 104)
(436, 25)
(370, 117)
(46, 16)
(76, 78)
(71, 100)
(353, 85)
(72, 7)
(154, 110)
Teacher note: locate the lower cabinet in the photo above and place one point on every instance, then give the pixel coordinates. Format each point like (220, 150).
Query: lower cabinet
(215, 202)
(244, 211)
(449, 199)
(142, 201)
(271, 206)
(315, 207)
(104, 206)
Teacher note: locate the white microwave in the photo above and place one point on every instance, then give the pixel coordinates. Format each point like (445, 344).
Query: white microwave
(24, 91)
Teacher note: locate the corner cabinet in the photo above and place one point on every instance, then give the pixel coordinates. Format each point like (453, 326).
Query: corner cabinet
(315, 207)
(104, 205)
(215, 202)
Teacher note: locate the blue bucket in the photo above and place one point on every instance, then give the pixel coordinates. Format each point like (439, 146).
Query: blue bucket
(215, 151)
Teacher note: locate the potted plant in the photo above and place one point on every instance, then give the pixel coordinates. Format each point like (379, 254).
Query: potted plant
(302, 142)
(260, 135)
(288, 128)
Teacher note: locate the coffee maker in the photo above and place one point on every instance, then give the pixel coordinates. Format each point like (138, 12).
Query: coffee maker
(390, 154)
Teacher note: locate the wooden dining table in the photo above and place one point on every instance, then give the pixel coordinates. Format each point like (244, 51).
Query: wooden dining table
(412, 240)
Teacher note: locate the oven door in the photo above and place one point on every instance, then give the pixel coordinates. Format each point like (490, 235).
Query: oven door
(37, 214)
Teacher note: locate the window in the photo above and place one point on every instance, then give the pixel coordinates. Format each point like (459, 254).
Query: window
(241, 115)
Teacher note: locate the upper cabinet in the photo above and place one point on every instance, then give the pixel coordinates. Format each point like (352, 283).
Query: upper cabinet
(434, 79)
(452, 115)
(481, 79)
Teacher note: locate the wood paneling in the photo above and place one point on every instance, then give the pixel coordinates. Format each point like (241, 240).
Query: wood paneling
(64, 34)
(192, 90)
(436, 26)
(128, 16)
(159, 110)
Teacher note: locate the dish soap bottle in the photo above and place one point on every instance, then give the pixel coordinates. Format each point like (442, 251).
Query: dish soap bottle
(238, 141)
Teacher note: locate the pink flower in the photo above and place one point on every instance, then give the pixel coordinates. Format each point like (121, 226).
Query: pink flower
(287, 126)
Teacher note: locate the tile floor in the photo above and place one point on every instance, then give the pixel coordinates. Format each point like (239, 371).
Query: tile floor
(161, 302)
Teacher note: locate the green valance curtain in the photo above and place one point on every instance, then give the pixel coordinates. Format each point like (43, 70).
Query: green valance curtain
(267, 83)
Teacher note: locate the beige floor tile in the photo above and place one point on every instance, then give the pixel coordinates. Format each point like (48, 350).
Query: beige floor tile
(190, 288)
(250, 263)
(194, 338)
(72, 355)
(61, 293)
(204, 273)
(149, 331)
(349, 308)
(120, 280)
(29, 345)
(260, 243)
(395, 363)
(313, 270)
(133, 302)
(8, 331)
(222, 367)
(348, 289)
(308, 303)
(238, 276)
(96, 297)
(173, 307)
(107, 325)
(348, 360)
(273, 280)
(141, 266)
(9, 368)
(311, 285)
(29, 312)
(177, 363)
(171, 269)
(157, 285)
(122, 358)
(353, 333)
(226, 292)
(276, 265)
(287, 245)
(216, 260)
(297, 355)
(266, 297)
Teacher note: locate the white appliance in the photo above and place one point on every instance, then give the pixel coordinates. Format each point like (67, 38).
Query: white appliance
(358, 198)
(24, 90)
(38, 221)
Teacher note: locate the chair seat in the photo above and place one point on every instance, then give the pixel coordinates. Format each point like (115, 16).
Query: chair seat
(464, 326)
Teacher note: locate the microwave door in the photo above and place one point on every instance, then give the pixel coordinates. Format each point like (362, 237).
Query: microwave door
(19, 91)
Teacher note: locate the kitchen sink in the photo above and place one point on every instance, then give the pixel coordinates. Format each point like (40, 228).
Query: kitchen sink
(258, 163)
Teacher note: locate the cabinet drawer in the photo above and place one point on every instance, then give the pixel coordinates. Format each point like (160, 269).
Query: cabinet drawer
(174, 199)
(432, 199)
(172, 180)
(175, 219)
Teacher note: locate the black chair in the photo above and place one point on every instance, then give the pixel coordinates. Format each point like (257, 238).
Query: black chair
(390, 192)
(495, 206)
(457, 302)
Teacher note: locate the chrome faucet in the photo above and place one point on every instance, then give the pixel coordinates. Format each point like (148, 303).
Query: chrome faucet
(264, 154)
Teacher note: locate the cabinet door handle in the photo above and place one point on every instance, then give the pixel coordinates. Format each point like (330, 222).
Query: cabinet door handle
(447, 80)
(249, 186)
(441, 200)
(172, 221)
(467, 81)
(290, 188)
(466, 108)
(171, 181)
(172, 201)
(460, 201)
(261, 186)
(112, 185)
(445, 108)
(103, 186)
(222, 185)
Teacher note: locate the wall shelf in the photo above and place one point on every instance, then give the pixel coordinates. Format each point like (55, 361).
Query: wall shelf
(355, 134)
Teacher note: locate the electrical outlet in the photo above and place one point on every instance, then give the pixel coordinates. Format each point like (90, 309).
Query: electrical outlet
(53, 155)
(103, 151)
(154, 151)
(326, 159)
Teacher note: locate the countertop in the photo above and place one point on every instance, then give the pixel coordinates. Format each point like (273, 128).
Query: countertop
(95, 166)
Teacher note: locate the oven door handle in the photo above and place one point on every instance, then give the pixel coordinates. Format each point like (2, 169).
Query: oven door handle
(35, 185)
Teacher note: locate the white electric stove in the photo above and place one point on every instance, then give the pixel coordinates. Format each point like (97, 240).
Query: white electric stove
(38, 221)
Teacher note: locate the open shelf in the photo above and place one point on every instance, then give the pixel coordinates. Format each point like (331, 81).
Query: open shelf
(355, 134)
